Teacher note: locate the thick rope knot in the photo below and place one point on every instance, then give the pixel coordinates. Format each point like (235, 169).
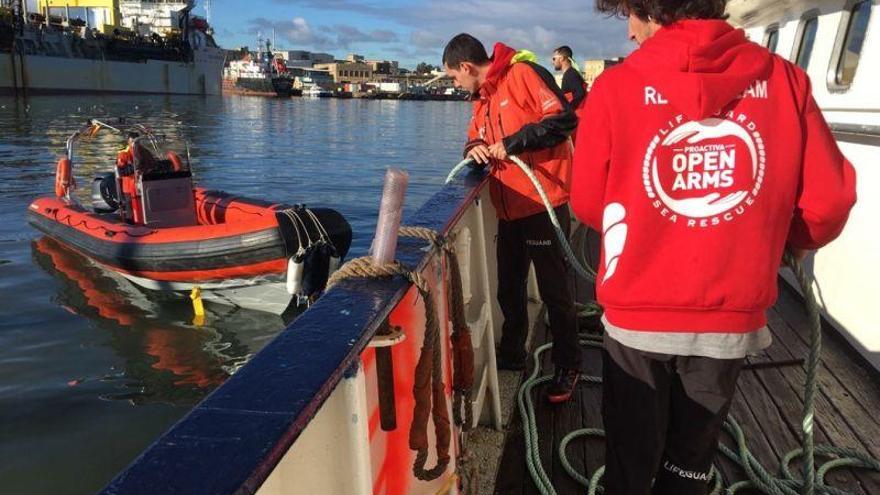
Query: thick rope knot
(364, 267)
(438, 240)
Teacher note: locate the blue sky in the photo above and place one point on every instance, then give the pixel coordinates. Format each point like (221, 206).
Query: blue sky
(416, 30)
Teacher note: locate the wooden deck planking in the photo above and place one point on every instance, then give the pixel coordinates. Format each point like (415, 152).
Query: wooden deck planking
(831, 426)
(768, 407)
(771, 398)
(761, 447)
(854, 390)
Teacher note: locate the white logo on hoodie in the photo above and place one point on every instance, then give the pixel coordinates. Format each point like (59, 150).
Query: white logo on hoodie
(705, 173)
(613, 237)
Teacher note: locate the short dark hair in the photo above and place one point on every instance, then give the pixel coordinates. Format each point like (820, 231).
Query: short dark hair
(464, 48)
(664, 12)
(564, 50)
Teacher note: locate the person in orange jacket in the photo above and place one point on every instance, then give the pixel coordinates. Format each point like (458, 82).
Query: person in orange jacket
(519, 110)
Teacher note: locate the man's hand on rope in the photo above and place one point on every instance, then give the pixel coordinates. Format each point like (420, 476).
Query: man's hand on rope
(483, 154)
(480, 154)
(498, 151)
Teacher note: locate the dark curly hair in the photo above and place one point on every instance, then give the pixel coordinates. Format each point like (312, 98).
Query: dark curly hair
(664, 12)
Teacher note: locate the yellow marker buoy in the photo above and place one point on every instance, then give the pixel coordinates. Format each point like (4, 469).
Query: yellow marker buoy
(198, 307)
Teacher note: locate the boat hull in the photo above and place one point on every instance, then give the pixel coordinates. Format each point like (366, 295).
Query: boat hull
(41, 74)
(277, 86)
(239, 248)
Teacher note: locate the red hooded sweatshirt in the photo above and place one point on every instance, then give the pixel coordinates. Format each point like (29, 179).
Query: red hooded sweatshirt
(698, 158)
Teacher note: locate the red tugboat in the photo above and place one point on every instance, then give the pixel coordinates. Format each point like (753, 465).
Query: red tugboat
(149, 223)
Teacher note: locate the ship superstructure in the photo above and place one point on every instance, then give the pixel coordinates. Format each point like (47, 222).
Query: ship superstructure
(107, 46)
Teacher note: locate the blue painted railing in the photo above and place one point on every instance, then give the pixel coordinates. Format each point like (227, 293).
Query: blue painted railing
(231, 441)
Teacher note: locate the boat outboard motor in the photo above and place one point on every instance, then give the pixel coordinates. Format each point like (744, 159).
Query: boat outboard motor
(104, 196)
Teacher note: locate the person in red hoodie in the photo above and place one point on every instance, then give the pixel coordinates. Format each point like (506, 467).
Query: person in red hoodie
(519, 110)
(700, 158)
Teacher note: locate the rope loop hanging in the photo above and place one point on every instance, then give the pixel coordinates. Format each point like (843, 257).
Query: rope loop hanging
(428, 387)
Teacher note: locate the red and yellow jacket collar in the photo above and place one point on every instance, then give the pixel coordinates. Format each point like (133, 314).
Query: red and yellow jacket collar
(502, 58)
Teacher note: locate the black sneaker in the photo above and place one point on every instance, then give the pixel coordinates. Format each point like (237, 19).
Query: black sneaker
(563, 384)
(510, 364)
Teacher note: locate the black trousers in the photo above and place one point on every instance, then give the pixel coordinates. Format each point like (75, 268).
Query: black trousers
(663, 415)
(533, 240)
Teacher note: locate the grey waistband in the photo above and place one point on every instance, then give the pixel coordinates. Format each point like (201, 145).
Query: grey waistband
(714, 345)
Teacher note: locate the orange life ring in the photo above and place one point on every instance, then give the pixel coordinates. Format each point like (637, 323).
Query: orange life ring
(63, 178)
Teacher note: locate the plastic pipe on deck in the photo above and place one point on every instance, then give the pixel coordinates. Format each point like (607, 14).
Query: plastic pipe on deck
(384, 249)
(390, 212)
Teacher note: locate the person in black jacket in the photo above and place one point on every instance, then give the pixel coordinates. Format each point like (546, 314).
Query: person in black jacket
(573, 85)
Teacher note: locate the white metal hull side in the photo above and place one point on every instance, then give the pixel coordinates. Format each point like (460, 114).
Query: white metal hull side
(44, 74)
(333, 454)
(848, 270)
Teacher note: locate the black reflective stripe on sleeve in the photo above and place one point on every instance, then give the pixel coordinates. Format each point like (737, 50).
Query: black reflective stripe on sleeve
(551, 130)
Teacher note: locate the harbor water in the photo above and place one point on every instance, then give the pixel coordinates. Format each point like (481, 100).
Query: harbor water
(92, 369)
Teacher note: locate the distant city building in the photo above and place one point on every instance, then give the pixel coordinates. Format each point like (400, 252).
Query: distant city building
(355, 68)
(385, 67)
(303, 58)
(592, 69)
(348, 71)
(413, 81)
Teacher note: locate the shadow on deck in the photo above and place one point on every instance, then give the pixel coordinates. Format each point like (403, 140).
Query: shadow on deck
(768, 407)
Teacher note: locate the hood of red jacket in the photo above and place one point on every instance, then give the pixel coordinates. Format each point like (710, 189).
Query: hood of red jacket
(700, 66)
(501, 57)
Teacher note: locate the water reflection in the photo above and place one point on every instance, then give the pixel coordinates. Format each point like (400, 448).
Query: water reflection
(167, 358)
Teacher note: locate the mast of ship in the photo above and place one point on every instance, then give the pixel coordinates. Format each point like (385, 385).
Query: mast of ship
(187, 46)
(19, 12)
(269, 57)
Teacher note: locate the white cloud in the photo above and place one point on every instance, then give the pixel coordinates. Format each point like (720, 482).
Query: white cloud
(528, 24)
(298, 32)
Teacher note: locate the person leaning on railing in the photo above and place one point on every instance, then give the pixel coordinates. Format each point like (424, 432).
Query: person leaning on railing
(700, 158)
(519, 110)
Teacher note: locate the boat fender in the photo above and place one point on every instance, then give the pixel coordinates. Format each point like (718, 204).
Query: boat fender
(335, 262)
(317, 264)
(64, 180)
(295, 269)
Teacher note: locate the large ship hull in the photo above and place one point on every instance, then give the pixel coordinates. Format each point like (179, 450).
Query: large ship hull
(249, 86)
(46, 74)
